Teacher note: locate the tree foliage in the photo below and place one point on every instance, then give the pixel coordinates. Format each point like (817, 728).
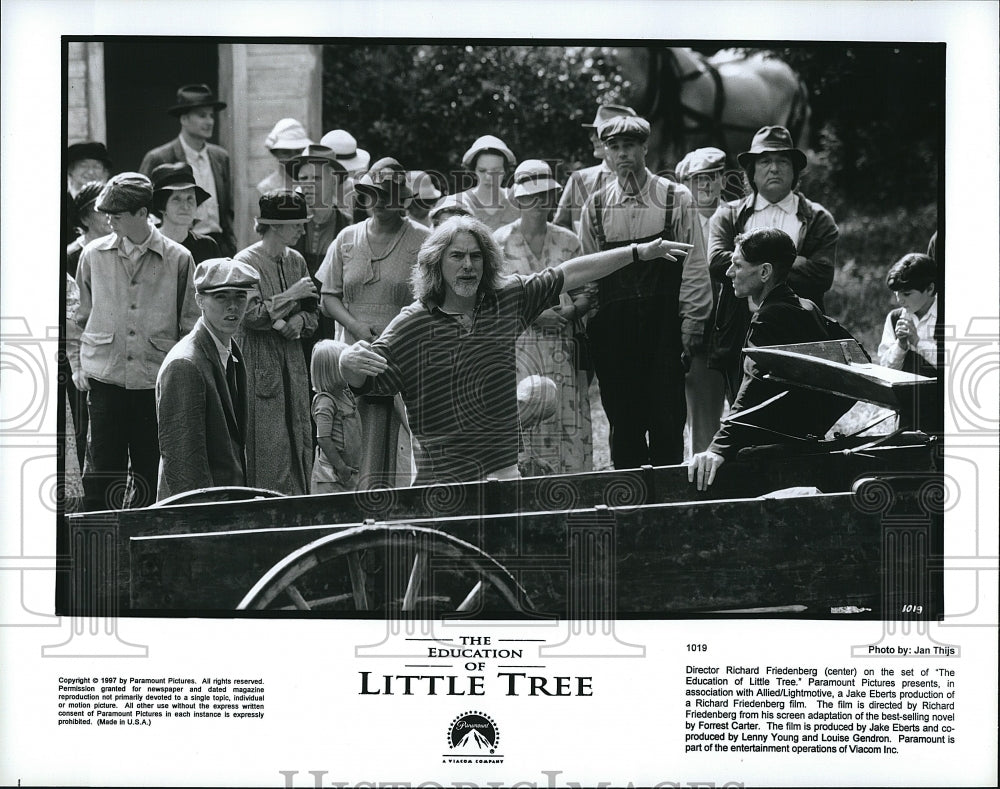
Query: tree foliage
(424, 105)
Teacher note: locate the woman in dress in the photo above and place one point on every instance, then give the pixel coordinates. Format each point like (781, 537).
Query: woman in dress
(490, 159)
(175, 199)
(279, 432)
(365, 283)
(548, 348)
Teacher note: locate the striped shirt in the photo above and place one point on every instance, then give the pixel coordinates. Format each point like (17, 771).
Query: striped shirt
(459, 382)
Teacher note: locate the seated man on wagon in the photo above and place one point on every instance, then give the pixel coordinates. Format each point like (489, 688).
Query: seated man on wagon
(759, 271)
(451, 352)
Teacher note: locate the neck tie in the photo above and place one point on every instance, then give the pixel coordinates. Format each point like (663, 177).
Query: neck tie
(231, 381)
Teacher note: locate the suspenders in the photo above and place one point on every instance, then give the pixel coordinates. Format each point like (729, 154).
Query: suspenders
(598, 223)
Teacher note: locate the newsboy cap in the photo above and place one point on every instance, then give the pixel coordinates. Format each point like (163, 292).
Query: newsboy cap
(702, 160)
(125, 192)
(624, 126)
(606, 112)
(772, 139)
(488, 144)
(224, 274)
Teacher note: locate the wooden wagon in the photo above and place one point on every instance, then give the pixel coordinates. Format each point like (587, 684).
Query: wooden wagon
(859, 537)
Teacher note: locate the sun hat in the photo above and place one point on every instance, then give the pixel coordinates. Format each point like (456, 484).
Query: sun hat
(537, 397)
(345, 149)
(450, 204)
(772, 139)
(422, 186)
(288, 135)
(488, 144)
(533, 176)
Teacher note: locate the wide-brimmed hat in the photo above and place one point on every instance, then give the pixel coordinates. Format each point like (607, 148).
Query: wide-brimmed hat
(288, 134)
(386, 177)
(283, 207)
(701, 160)
(772, 139)
(190, 97)
(91, 149)
(630, 126)
(422, 186)
(488, 144)
(345, 149)
(449, 204)
(125, 192)
(533, 176)
(174, 176)
(606, 112)
(224, 274)
(316, 154)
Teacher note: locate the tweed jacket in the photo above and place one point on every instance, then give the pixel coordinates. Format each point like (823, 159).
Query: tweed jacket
(202, 432)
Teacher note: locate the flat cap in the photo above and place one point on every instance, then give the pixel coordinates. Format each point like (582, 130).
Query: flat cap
(702, 160)
(224, 274)
(125, 192)
(488, 144)
(624, 126)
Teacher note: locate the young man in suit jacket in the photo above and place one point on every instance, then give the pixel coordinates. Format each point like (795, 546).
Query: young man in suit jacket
(201, 407)
(195, 109)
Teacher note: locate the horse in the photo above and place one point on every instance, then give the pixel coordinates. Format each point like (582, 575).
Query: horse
(693, 101)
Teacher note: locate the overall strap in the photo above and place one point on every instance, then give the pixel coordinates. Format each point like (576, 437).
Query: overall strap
(602, 242)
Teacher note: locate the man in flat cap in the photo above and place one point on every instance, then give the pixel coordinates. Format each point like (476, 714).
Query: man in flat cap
(136, 301)
(772, 167)
(652, 315)
(195, 109)
(201, 391)
(701, 171)
(583, 183)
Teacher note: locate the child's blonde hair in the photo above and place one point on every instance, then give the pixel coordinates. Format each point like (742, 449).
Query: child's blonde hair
(324, 367)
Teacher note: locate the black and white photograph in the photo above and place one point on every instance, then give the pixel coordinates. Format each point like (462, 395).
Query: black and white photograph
(458, 354)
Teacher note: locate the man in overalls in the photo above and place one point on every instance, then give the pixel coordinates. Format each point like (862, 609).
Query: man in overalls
(652, 315)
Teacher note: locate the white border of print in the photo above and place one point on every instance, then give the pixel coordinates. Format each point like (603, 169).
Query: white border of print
(631, 730)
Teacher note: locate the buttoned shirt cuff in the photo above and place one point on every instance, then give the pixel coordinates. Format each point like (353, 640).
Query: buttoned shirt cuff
(893, 356)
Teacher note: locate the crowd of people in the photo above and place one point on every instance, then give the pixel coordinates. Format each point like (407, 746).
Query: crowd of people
(382, 332)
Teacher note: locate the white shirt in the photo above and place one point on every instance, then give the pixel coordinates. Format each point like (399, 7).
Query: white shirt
(891, 353)
(206, 217)
(782, 215)
(225, 351)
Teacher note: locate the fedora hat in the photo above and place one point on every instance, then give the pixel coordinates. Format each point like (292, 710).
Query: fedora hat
(346, 151)
(283, 207)
(190, 97)
(606, 112)
(174, 176)
(772, 139)
(91, 149)
(532, 177)
(488, 144)
(386, 177)
(317, 154)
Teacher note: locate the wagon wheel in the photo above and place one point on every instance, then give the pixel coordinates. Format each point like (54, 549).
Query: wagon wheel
(230, 493)
(411, 570)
